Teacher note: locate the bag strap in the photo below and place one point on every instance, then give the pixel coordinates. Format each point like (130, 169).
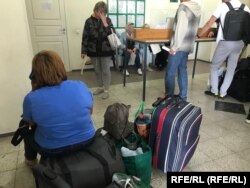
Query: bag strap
(140, 109)
(108, 139)
(229, 6)
(104, 163)
(65, 170)
(19, 133)
(101, 159)
(131, 145)
(242, 6)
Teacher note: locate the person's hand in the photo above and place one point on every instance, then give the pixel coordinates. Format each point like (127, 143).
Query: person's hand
(83, 55)
(172, 51)
(130, 51)
(102, 16)
(210, 34)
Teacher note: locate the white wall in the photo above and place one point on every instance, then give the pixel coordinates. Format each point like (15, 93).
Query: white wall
(247, 52)
(77, 11)
(15, 62)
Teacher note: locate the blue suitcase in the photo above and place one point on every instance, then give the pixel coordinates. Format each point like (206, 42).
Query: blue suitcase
(174, 134)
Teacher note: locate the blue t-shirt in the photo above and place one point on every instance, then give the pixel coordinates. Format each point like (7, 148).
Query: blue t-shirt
(62, 114)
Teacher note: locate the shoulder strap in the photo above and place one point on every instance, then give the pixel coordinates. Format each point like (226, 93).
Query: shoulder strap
(229, 6)
(103, 162)
(66, 171)
(242, 6)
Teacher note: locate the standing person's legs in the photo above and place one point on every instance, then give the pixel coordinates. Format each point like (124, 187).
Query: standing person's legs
(220, 55)
(235, 49)
(182, 75)
(106, 75)
(98, 72)
(173, 63)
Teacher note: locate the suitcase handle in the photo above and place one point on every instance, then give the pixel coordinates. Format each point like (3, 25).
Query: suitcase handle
(159, 101)
(169, 101)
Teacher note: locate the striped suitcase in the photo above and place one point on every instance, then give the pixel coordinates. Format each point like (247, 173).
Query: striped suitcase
(174, 134)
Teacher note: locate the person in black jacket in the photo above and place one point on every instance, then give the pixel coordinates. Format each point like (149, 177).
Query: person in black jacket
(95, 44)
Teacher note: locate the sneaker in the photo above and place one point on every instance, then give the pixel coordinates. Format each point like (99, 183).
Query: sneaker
(127, 73)
(98, 91)
(208, 92)
(105, 95)
(139, 71)
(248, 118)
(31, 163)
(149, 69)
(222, 97)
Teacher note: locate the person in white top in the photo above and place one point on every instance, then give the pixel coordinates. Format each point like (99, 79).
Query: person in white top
(225, 49)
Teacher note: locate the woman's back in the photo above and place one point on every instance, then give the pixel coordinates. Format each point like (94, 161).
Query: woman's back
(62, 114)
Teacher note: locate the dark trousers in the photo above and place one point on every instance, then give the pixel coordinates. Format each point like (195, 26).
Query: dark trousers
(127, 58)
(31, 148)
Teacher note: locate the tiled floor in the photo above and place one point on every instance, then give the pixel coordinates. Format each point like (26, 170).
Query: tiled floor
(224, 143)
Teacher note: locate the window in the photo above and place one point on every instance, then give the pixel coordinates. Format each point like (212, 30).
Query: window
(124, 11)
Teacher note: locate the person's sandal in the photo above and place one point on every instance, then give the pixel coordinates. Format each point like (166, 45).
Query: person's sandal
(248, 118)
(105, 95)
(31, 163)
(98, 91)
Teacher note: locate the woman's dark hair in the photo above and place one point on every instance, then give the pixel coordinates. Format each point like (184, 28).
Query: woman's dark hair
(101, 6)
(47, 69)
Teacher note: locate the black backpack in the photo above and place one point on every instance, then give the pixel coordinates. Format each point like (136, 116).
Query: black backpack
(247, 31)
(235, 23)
(161, 59)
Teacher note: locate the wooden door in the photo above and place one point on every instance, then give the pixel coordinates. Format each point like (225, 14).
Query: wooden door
(48, 27)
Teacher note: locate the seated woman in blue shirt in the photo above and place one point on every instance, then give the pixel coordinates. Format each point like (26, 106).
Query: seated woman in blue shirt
(130, 48)
(59, 109)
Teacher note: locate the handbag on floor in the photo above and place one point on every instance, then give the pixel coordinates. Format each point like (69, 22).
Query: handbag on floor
(21, 132)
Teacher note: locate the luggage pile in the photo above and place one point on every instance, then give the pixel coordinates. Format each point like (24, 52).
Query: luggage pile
(123, 153)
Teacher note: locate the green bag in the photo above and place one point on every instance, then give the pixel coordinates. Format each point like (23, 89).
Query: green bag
(143, 121)
(140, 110)
(139, 165)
